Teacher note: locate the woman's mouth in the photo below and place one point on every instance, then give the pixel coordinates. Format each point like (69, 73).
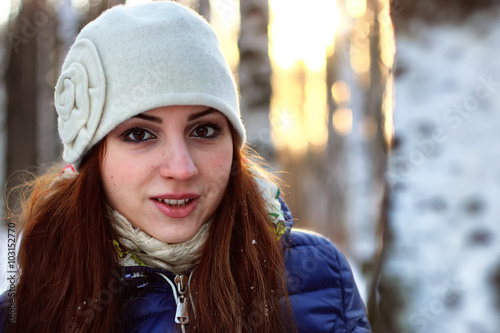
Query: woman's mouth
(176, 208)
(175, 203)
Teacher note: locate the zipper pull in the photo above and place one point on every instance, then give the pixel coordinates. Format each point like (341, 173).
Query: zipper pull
(181, 314)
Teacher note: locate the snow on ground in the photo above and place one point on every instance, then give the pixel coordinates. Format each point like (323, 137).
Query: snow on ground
(445, 176)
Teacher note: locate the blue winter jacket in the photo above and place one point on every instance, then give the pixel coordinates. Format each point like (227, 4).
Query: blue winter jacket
(323, 294)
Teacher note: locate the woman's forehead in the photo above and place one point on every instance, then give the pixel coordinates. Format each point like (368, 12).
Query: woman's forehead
(190, 112)
(187, 108)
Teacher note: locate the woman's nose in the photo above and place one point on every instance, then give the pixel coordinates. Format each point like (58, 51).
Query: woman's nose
(178, 163)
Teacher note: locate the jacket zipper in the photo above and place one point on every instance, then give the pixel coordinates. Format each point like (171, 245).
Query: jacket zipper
(181, 315)
(180, 290)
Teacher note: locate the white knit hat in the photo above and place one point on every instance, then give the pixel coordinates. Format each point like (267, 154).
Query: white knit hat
(135, 58)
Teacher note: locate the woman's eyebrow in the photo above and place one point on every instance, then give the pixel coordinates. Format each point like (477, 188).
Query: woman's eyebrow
(194, 116)
(149, 118)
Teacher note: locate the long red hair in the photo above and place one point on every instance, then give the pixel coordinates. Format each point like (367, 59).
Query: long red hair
(68, 271)
(66, 256)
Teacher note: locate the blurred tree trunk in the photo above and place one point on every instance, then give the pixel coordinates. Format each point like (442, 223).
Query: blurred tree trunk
(440, 266)
(366, 146)
(22, 84)
(254, 74)
(47, 141)
(4, 59)
(336, 167)
(34, 63)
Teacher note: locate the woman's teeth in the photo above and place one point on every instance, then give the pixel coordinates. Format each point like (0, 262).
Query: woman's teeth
(175, 203)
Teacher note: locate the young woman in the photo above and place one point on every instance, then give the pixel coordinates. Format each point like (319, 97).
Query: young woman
(163, 220)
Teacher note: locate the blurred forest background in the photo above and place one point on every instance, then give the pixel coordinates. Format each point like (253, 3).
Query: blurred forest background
(383, 115)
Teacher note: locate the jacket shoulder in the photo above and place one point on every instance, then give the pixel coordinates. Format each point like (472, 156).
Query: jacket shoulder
(300, 237)
(314, 262)
(323, 294)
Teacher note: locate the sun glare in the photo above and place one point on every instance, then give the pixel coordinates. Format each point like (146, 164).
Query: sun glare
(356, 8)
(316, 113)
(341, 93)
(302, 30)
(387, 45)
(302, 36)
(342, 121)
(225, 19)
(4, 11)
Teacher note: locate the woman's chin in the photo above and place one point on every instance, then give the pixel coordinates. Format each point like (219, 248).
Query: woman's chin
(174, 237)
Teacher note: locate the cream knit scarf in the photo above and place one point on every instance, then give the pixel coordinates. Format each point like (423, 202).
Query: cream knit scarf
(176, 258)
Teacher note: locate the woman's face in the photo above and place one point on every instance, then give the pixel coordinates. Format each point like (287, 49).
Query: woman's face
(166, 169)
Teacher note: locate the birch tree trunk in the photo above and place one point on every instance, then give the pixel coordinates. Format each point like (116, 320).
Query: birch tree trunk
(47, 140)
(367, 145)
(254, 74)
(4, 53)
(22, 84)
(4, 59)
(32, 71)
(440, 269)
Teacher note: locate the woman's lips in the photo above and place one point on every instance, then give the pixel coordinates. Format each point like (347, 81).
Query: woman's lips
(176, 208)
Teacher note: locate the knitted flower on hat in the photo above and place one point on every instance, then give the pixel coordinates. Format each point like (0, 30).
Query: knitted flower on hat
(80, 96)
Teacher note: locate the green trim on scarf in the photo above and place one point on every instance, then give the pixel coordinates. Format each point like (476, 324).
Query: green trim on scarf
(123, 254)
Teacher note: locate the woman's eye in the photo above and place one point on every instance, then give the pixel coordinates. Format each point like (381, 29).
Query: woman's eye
(206, 131)
(137, 135)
